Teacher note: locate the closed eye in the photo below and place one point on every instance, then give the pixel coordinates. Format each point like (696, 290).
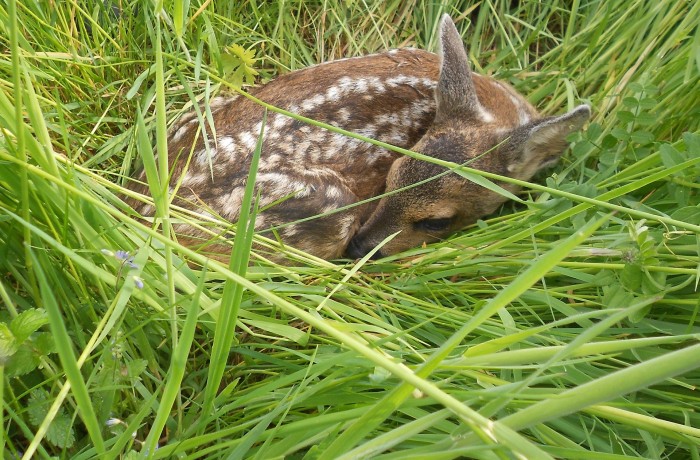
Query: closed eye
(433, 225)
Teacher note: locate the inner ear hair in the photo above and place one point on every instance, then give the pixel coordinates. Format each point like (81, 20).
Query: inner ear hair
(544, 140)
(455, 92)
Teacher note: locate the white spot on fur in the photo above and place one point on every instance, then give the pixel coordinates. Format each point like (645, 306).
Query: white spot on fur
(194, 180)
(328, 207)
(333, 93)
(227, 146)
(279, 121)
(387, 119)
(345, 225)
(204, 156)
(368, 131)
(378, 86)
(485, 115)
(333, 193)
(180, 133)
(361, 85)
(230, 205)
(289, 231)
(310, 104)
(402, 80)
(523, 112)
(218, 101)
(429, 83)
(225, 143)
(345, 84)
(271, 161)
(396, 136)
(147, 210)
(260, 221)
(343, 115)
(248, 139)
(277, 185)
(318, 136)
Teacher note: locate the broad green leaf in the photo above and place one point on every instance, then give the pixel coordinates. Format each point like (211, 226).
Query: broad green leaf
(8, 343)
(28, 322)
(22, 362)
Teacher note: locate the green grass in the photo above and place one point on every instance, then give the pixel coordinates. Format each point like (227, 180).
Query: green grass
(564, 327)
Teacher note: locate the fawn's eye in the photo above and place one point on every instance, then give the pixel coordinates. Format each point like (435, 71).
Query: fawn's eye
(433, 225)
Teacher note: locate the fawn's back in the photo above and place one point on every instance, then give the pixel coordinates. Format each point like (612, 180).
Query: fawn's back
(305, 170)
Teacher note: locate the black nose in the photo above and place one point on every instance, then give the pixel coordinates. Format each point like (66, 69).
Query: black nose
(356, 250)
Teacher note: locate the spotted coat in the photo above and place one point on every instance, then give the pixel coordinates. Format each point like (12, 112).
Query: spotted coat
(306, 170)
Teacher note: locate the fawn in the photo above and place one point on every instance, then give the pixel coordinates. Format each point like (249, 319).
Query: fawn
(409, 98)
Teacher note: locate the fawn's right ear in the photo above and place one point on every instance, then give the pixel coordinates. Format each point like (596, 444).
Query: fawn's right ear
(455, 93)
(541, 143)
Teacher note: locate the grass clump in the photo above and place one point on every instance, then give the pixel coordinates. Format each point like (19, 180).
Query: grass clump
(563, 328)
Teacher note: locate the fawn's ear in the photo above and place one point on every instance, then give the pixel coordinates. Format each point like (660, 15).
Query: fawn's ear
(541, 143)
(455, 93)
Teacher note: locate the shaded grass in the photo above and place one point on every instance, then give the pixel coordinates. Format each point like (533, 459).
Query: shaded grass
(524, 334)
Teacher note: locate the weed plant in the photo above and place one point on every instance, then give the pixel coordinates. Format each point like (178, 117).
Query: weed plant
(564, 326)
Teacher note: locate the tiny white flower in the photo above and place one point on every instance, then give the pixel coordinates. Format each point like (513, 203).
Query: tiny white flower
(113, 422)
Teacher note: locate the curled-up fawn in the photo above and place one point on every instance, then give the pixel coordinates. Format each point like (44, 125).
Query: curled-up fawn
(431, 104)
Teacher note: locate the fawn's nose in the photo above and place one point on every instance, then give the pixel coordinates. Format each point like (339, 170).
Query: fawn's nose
(356, 250)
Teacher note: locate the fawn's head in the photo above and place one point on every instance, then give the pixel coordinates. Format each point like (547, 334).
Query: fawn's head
(506, 139)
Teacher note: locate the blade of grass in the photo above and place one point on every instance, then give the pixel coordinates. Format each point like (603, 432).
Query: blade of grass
(233, 291)
(395, 398)
(70, 366)
(176, 372)
(611, 386)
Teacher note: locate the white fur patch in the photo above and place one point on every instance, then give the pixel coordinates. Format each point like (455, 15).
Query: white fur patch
(387, 119)
(402, 80)
(279, 121)
(368, 131)
(310, 104)
(289, 231)
(148, 210)
(180, 132)
(333, 193)
(204, 156)
(230, 205)
(248, 139)
(330, 206)
(523, 112)
(343, 115)
(333, 93)
(486, 116)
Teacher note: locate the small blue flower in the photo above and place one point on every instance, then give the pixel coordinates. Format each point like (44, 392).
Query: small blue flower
(138, 282)
(126, 258)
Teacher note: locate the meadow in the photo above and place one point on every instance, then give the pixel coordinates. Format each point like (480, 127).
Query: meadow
(564, 326)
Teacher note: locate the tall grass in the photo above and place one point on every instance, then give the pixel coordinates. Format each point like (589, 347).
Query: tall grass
(564, 327)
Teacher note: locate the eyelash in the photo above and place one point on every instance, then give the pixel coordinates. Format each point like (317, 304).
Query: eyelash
(433, 225)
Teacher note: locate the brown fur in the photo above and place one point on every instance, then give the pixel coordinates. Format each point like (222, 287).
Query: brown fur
(409, 98)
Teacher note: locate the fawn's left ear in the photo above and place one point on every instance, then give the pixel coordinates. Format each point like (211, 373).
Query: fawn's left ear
(542, 142)
(455, 93)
